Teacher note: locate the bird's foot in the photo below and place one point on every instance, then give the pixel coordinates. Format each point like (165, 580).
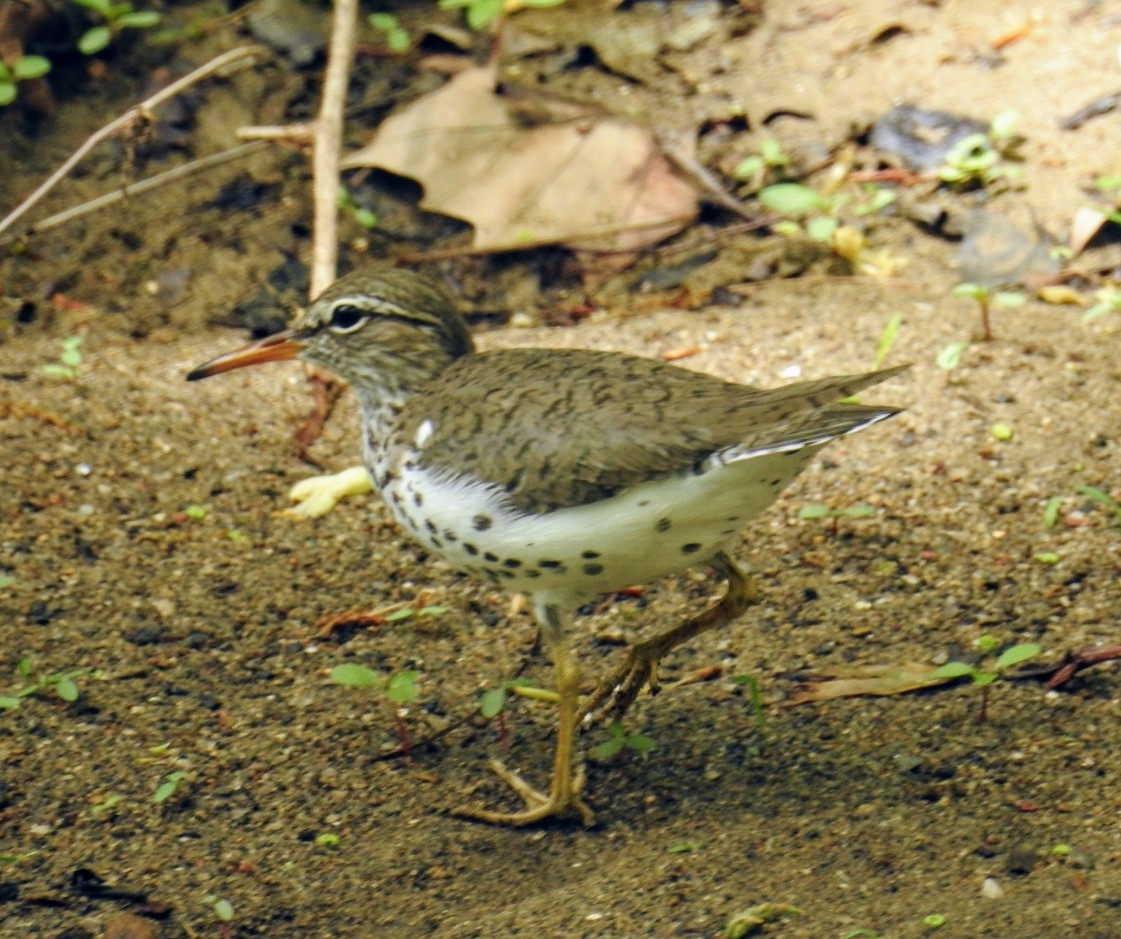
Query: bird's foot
(317, 495)
(562, 801)
(615, 694)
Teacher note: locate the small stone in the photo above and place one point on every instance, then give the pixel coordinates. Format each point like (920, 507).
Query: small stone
(991, 889)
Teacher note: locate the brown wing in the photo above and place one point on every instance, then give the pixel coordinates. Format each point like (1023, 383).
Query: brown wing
(589, 423)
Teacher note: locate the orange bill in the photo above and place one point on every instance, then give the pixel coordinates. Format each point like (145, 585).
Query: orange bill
(276, 348)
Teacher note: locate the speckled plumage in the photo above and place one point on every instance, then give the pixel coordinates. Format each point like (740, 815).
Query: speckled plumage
(559, 473)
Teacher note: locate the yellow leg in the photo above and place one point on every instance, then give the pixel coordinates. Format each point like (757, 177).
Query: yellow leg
(565, 793)
(616, 693)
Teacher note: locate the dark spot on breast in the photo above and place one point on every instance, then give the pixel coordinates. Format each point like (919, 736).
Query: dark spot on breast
(732, 518)
(450, 535)
(491, 575)
(513, 562)
(396, 497)
(470, 548)
(490, 556)
(590, 555)
(509, 575)
(691, 548)
(663, 524)
(728, 531)
(531, 572)
(435, 542)
(418, 499)
(776, 482)
(550, 564)
(428, 524)
(481, 522)
(642, 503)
(593, 569)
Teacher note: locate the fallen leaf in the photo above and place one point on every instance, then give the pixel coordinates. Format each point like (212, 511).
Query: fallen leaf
(872, 680)
(563, 175)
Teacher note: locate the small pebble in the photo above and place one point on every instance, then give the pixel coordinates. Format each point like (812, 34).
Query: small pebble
(991, 889)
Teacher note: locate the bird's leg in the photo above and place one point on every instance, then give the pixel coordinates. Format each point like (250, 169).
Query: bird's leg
(564, 796)
(317, 495)
(616, 693)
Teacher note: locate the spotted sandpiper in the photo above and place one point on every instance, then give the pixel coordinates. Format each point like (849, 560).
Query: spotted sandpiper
(562, 474)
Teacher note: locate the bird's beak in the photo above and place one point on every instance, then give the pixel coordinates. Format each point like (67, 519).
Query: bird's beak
(276, 348)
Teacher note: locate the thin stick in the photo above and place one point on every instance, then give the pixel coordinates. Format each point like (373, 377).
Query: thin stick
(239, 56)
(328, 142)
(136, 189)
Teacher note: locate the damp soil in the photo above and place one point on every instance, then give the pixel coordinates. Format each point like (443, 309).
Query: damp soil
(142, 545)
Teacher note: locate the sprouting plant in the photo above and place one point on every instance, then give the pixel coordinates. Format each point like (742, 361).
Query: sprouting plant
(1051, 511)
(805, 210)
(166, 789)
(887, 340)
(769, 163)
(494, 699)
(481, 13)
(874, 199)
(367, 218)
(222, 908)
(399, 689)
(983, 159)
(934, 921)
(397, 38)
(69, 364)
(106, 805)
(117, 17)
(17, 858)
(949, 356)
(327, 839)
(1102, 498)
(1108, 301)
(620, 740)
(22, 69)
(981, 677)
(62, 683)
(818, 510)
(755, 693)
(986, 300)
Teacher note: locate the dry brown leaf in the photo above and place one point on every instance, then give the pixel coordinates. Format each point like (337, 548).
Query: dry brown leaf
(589, 182)
(873, 680)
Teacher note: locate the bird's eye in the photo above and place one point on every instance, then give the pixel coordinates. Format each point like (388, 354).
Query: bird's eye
(346, 319)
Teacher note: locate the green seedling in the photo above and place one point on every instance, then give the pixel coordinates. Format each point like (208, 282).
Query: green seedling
(874, 199)
(17, 858)
(23, 69)
(197, 512)
(982, 678)
(983, 159)
(817, 510)
(327, 839)
(1060, 850)
(618, 741)
(117, 18)
(61, 683)
(408, 613)
(1102, 498)
(769, 164)
(1051, 512)
(987, 299)
(806, 211)
(1108, 301)
(481, 13)
(684, 847)
(887, 340)
(397, 39)
(6, 580)
(493, 700)
(755, 695)
(106, 805)
(949, 356)
(166, 789)
(1003, 432)
(934, 921)
(69, 364)
(367, 218)
(222, 908)
(398, 690)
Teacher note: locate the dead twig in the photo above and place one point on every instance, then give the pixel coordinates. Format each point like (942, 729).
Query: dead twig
(223, 63)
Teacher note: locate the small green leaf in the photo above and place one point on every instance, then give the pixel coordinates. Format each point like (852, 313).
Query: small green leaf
(70, 357)
(167, 788)
(355, 676)
(1002, 432)
(327, 839)
(949, 357)
(142, 19)
(972, 291)
(934, 921)
(236, 535)
(821, 227)
(60, 371)
(7, 93)
(640, 743)
(67, 690)
(772, 153)
(952, 670)
(887, 339)
(748, 167)
(1051, 511)
(31, 66)
(608, 748)
(1004, 125)
(815, 510)
(224, 910)
(792, 199)
(1047, 557)
(426, 611)
(397, 615)
(1017, 654)
(858, 511)
(382, 21)
(94, 40)
(197, 512)
(402, 687)
(6, 580)
(986, 643)
(492, 702)
(7, 703)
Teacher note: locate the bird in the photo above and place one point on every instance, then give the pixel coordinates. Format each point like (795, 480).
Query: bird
(561, 474)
